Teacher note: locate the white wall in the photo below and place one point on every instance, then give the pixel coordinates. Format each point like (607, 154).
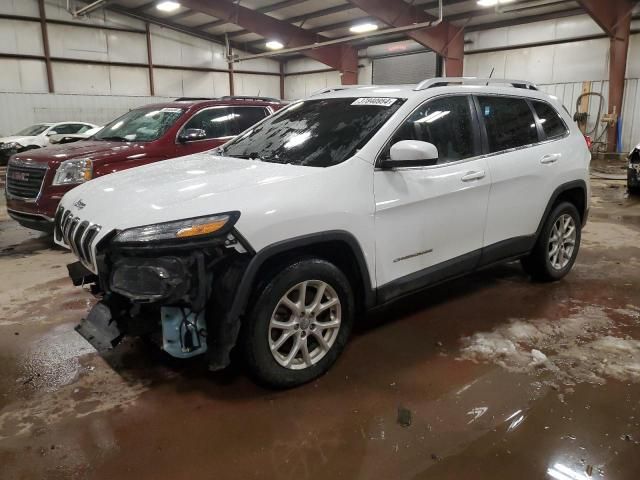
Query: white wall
(298, 84)
(83, 84)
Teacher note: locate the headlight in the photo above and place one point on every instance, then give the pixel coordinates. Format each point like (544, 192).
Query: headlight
(10, 146)
(73, 171)
(192, 228)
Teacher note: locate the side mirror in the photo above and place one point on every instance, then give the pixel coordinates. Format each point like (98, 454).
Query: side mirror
(51, 132)
(411, 153)
(191, 134)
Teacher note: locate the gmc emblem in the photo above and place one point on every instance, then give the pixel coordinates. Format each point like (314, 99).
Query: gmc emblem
(20, 176)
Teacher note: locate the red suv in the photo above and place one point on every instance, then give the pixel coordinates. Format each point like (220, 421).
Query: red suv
(37, 179)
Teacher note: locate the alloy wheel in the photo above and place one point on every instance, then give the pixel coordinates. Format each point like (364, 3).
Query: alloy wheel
(562, 241)
(305, 324)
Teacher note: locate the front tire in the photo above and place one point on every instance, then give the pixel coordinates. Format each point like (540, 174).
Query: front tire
(557, 246)
(299, 324)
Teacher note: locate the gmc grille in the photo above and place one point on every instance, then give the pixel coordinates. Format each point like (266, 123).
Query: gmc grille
(77, 234)
(24, 180)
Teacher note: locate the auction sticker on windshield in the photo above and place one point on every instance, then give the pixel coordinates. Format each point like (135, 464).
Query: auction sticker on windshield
(380, 101)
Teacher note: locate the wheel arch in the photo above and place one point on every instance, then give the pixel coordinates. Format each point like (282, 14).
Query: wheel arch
(337, 246)
(574, 192)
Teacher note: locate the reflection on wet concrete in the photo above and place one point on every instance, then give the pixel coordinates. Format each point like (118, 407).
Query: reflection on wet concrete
(490, 376)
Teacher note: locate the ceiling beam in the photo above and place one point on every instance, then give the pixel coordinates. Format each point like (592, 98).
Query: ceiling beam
(608, 14)
(269, 8)
(303, 18)
(340, 57)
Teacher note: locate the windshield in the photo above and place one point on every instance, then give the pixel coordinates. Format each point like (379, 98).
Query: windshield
(141, 125)
(32, 130)
(315, 133)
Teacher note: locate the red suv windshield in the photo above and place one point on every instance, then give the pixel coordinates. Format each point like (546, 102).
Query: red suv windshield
(141, 125)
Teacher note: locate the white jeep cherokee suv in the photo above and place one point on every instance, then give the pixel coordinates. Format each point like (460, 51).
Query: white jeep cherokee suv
(338, 203)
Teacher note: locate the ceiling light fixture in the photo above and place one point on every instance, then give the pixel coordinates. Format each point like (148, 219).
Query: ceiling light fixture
(364, 28)
(491, 3)
(274, 45)
(168, 6)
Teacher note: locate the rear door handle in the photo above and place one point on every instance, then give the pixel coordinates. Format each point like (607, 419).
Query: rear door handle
(471, 176)
(551, 158)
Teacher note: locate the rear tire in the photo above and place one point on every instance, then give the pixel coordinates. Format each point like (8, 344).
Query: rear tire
(557, 246)
(290, 337)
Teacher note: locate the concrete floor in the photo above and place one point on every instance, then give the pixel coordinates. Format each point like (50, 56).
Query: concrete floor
(490, 376)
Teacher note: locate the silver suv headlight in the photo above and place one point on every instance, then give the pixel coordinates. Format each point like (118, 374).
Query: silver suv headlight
(74, 171)
(179, 230)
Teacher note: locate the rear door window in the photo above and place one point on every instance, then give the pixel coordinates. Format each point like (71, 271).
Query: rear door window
(67, 128)
(246, 117)
(445, 122)
(509, 122)
(552, 124)
(216, 122)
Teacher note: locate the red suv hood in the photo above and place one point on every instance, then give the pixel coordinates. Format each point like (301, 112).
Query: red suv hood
(97, 150)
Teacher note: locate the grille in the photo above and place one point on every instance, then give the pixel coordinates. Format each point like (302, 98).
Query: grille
(24, 180)
(77, 234)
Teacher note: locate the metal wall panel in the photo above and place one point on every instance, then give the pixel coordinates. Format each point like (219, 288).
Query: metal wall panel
(20, 37)
(19, 7)
(185, 83)
(411, 68)
(22, 76)
(128, 81)
(81, 78)
(174, 48)
(303, 65)
(572, 62)
(301, 86)
(257, 64)
(544, 31)
(633, 57)
(77, 42)
(264, 85)
(126, 47)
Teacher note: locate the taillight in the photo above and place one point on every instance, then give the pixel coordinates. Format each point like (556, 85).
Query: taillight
(587, 139)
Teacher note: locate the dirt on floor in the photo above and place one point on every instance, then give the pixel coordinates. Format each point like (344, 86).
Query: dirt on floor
(487, 377)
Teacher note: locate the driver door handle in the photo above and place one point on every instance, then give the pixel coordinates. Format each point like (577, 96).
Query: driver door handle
(551, 158)
(471, 176)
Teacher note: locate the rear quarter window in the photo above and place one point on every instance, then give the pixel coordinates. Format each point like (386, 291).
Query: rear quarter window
(509, 122)
(552, 123)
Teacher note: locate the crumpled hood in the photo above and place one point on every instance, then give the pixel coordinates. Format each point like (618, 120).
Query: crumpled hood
(96, 150)
(191, 186)
(24, 141)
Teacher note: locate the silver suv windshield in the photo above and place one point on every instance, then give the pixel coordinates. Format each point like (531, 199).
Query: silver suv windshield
(140, 125)
(32, 131)
(315, 133)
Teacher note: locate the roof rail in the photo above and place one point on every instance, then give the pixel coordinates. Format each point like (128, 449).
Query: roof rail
(336, 88)
(193, 99)
(444, 81)
(251, 98)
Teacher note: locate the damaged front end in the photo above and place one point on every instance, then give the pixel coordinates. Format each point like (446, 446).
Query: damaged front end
(633, 170)
(178, 291)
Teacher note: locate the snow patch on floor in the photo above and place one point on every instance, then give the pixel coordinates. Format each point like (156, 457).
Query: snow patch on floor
(580, 348)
